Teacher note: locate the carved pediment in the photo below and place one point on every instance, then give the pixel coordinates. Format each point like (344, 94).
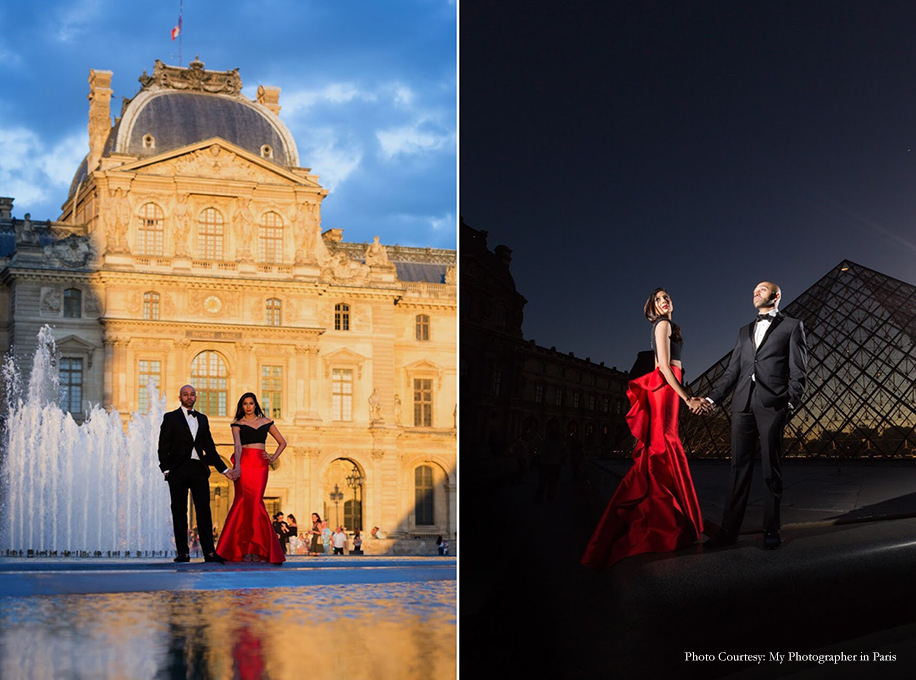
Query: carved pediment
(343, 357)
(424, 367)
(218, 159)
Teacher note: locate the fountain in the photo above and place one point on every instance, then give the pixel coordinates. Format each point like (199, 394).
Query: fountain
(69, 489)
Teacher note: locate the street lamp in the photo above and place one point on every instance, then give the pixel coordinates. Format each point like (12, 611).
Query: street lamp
(355, 482)
(336, 496)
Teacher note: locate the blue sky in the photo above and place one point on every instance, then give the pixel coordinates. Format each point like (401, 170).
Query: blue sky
(369, 91)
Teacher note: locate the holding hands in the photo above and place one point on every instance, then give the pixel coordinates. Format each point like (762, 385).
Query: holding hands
(699, 406)
(233, 473)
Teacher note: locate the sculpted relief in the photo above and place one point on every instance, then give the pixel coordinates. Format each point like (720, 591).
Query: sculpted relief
(214, 161)
(341, 269)
(115, 214)
(71, 251)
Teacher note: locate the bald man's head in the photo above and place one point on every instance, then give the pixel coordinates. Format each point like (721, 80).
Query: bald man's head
(188, 396)
(767, 296)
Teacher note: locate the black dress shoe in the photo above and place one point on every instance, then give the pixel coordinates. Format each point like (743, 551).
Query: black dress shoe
(182, 558)
(771, 540)
(720, 540)
(213, 557)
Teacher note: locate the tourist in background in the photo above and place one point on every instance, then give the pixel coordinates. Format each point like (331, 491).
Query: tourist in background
(282, 530)
(339, 541)
(292, 526)
(357, 543)
(315, 542)
(326, 537)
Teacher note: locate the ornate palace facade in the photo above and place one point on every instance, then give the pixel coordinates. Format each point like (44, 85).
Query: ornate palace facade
(190, 250)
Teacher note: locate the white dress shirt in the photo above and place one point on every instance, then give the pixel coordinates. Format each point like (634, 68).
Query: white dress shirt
(193, 424)
(761, 327)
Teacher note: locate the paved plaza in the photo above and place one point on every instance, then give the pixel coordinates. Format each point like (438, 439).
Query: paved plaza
(841, 584)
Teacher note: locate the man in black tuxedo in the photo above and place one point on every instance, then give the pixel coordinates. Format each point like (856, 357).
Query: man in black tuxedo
(186, 452)
(767, 370)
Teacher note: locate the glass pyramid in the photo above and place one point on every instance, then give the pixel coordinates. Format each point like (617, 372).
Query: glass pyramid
(860, 401)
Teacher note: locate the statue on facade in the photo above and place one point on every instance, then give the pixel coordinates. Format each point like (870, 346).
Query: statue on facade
(117, 220)
(300, 217)
(244, 228)
(182, 224)
(376, 255)
(397, 411)
(375, 406)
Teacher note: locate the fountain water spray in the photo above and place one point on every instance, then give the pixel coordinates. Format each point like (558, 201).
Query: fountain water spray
(78, 489)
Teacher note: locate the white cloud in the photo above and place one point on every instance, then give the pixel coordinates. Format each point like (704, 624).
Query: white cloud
(334, 93)
(36, 173)
(332, 158)
(422, 136)
(75, 17)
(445, 223)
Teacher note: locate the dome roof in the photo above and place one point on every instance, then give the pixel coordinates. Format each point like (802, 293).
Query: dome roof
(156, 122)
(178, 106)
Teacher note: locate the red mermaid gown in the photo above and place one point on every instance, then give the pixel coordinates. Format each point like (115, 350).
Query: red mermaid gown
(248, 531)
(655, 508)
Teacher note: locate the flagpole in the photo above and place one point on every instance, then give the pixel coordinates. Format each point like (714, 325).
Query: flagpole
(180, 12)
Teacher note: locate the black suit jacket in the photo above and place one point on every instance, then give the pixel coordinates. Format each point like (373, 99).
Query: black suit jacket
(175, 444)
(780, 365)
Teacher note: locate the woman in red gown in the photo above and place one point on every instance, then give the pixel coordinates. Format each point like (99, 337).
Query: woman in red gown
(655, 507)
(248, 535)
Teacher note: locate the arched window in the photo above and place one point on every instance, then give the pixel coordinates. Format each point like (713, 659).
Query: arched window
(210, 234)
(151, 306)
(274, 312)
(341, 317)
(422, 327)
(73, 303)
(271, 238)
(423, 496)
(210, 377)
(150, 230)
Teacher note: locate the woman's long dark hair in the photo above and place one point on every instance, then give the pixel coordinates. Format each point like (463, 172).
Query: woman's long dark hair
(294, 519)
(652, 315)
(240, 412)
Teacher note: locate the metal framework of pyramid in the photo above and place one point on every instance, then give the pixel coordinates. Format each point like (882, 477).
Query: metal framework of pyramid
(860, 401)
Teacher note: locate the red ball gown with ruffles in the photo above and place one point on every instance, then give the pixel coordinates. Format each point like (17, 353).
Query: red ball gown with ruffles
(655, 507)
(248, 533)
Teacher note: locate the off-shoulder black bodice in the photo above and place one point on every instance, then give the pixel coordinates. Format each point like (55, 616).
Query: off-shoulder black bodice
(677, 348)
(253, 435)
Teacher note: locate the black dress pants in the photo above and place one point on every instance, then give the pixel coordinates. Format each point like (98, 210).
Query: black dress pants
(199, 486)
(765, 425)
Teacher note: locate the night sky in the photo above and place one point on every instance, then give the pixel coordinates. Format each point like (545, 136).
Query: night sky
(702, 146)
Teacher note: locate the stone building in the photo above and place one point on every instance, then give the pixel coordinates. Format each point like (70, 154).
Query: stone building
(190, 250)
(517, 386)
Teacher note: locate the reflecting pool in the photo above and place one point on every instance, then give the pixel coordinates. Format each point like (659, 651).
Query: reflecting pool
(377, 631)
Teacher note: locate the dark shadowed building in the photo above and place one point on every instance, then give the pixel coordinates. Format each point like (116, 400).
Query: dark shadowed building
(512, 387)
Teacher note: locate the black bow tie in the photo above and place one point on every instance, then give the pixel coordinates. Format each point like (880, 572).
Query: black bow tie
(193, 414)
(764, 317)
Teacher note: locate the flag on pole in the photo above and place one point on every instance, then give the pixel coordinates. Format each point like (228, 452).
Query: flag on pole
(177, 30)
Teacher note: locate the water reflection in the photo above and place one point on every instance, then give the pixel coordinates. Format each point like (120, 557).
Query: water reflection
(392, 630)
